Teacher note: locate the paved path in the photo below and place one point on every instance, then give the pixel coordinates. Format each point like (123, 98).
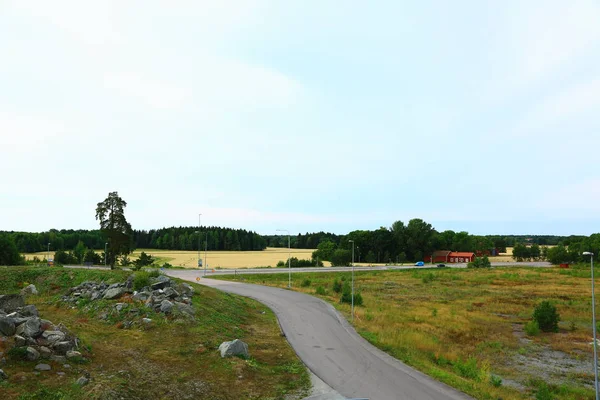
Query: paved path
(332, 349)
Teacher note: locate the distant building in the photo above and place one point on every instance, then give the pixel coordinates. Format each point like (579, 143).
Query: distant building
(441, 256)
(445, 256)
(461, 256)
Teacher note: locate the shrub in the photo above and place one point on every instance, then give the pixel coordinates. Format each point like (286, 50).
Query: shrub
(337, 286)
(154, 273)
(429, 277)
(144, 260)
(480, 262)
(321, 291)
(532, 328)
(280, 264)
(166, 265)
(546, 316)
(347, 296)
(467, 369)
(543, 392)
(305, 283)
(141, 280)
(495, 381)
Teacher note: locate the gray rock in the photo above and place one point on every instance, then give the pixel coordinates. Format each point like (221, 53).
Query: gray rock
(184, 308)
(120, 306)
(28, 290)
(20, 320)
(61, 374)
(95, 295)
(29, 311)
(234, 348)
(62, 347)
(58, 359)
(170, 293)
(20, 341)
(159, 285)
(43, 367)
(53, 336)
(146, 321)
(114, 293)
(82, 381)
(185, 289)
(10, 302)
(141, 296)
(73, 354)
(7, 326)
(166, 306)
(114, 285)
(48, 325)
(3, 376)
(163, 278)
(45, 352)
(31, 328)
(32, 354)
(66, 366)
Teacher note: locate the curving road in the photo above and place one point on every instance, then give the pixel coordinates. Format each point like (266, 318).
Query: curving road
(332, 349)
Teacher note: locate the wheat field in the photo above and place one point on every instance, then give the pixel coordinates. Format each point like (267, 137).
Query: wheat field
(214, 259)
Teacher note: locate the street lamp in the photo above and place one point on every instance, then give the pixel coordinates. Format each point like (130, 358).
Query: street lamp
(289, 257)
(587, 253)
(105, 253)
(352, 241)
(48, 254)
(198, 232)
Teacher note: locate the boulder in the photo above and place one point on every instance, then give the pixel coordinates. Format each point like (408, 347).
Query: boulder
(29, 311)
(141, 296)
(31, 328)
(185, 289)
(53, 336)
(32, 354)
(114, 293)
(29, 290)
(10, 302)
(20, 341)
(166, 306)
(159, 285)
(62, 347)
(185, 308)
(43, 367)
(234, 348)
(7, 326)
(45, 352)
(170, 293)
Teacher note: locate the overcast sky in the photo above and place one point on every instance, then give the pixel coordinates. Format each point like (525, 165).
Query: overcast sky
(303, 115)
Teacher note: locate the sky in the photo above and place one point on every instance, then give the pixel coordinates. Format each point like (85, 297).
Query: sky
(302, 115)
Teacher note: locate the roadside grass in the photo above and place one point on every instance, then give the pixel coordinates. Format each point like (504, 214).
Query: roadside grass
(465, 327)
(170, 358)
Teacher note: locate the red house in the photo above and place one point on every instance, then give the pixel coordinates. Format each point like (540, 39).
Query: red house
(440, 256)
(461, 257)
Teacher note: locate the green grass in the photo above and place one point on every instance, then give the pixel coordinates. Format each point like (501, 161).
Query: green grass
(170, 358)
(464, 326)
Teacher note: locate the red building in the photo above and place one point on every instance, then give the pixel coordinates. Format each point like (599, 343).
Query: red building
(444, 256)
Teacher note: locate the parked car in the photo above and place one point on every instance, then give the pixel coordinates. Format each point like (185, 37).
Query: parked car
(441, 265)
(419, 264)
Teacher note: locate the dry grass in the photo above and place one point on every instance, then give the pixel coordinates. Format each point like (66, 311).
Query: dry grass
(437, 319)
(215, 259)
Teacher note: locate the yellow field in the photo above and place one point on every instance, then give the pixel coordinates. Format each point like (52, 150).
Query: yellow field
(216, 259)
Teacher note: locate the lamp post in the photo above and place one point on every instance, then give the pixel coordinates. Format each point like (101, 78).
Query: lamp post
(48, 254)
(289, 257)
(587, 253)
(352, 241)
(198, 232)
(105, 253)
(205, 249)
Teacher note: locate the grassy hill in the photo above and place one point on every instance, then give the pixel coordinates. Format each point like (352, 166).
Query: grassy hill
(169, 358)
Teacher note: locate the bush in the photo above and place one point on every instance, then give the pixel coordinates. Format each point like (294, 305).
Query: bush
(305, 283)
(154, 273)
(467, 369)
(321, 291)
(480, 262)
(495, 381)
(9, 254)
(429, 277)
(337, 286)
(280, 264)
(532, 328)
(341, 257)
(546, 316)
(347, 296)
(141, 280)
(144, 260)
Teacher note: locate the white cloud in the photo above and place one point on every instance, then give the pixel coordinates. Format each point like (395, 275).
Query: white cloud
(151, 92)
(572, 200)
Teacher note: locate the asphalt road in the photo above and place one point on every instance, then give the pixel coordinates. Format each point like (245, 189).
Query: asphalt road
(332, 349)
(231, 271)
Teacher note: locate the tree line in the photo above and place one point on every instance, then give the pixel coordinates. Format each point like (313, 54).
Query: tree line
(175, 238)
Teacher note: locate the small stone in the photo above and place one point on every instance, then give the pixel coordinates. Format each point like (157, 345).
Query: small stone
(66, 366)
(114, 293)
(27, 290)
(32, 354)
(146, 321)
(82, 381)
(43, 367)
(73, 354)
(61, 374)
(63, 347)
(58, 359)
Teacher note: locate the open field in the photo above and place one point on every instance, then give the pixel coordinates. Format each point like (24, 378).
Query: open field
(169, 359)
(216, 259)
(465, 327)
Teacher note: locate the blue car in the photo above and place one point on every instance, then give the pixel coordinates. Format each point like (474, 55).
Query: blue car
(419, 264)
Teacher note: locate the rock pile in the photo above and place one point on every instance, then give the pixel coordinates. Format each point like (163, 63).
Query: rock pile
(163, 295)
(35, 338)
